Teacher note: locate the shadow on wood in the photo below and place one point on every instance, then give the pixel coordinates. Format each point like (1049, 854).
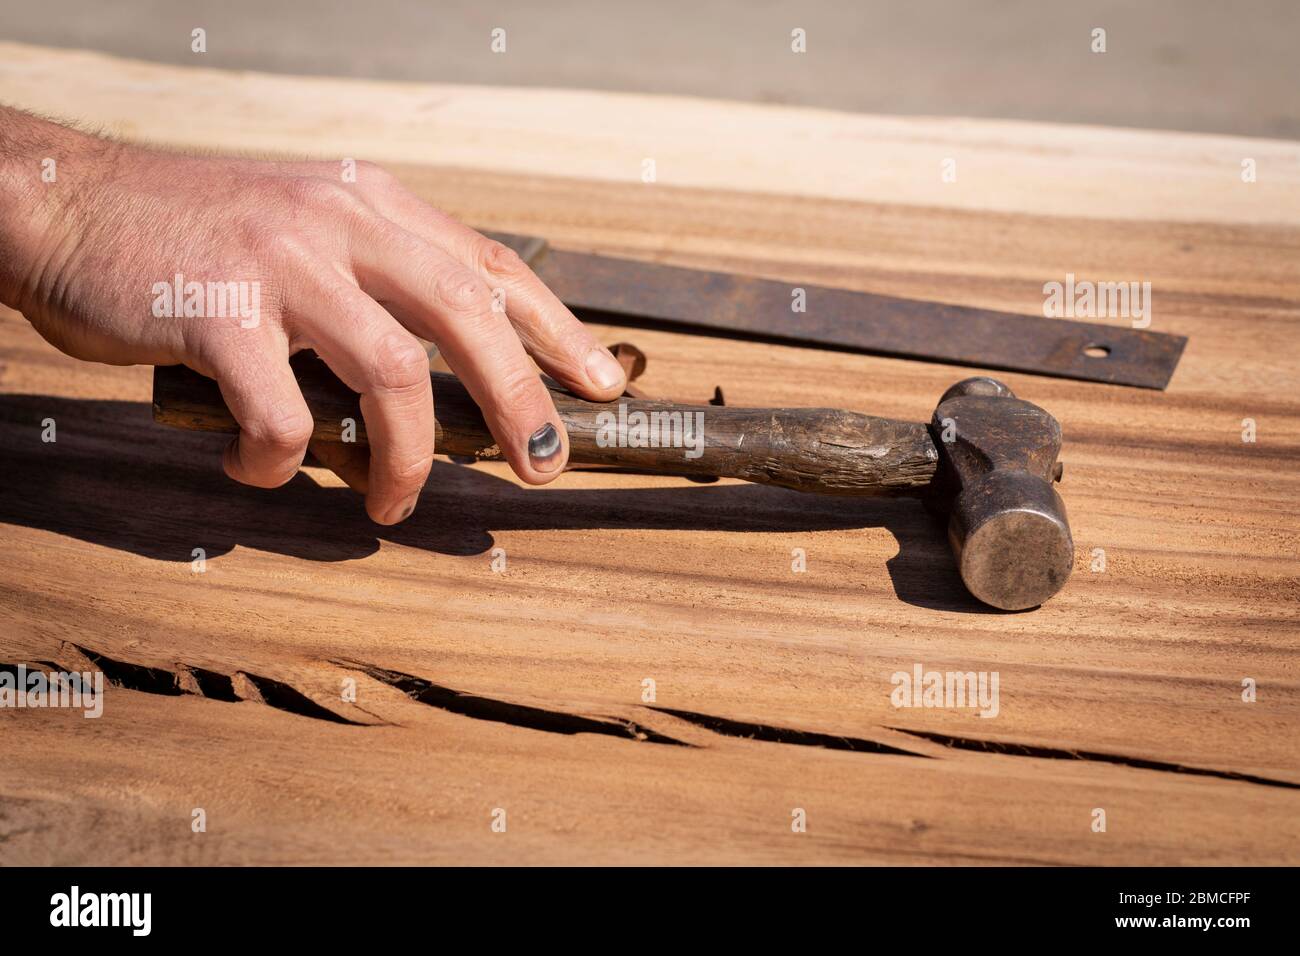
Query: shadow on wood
(114, 478)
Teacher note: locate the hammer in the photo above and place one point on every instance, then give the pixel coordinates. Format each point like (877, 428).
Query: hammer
(986, 460)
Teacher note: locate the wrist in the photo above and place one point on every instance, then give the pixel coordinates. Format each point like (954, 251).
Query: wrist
(47, 175)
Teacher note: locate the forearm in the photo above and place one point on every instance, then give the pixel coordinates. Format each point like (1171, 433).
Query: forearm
(44, 169)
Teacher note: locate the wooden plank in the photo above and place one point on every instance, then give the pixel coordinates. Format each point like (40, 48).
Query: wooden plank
(717, 146)
(611, 579)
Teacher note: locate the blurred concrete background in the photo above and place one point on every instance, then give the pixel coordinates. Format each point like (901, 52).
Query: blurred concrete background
(1204, 65)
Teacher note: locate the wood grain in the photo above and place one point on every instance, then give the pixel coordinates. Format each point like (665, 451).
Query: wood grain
(522, 689)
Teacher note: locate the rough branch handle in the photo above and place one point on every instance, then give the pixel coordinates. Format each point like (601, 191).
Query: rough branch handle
(809, 449)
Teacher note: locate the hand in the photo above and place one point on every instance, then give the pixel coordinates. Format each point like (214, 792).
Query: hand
(353, 270)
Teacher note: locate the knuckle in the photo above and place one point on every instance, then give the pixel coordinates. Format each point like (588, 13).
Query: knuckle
(462, 291)
(274, 246)
(500, 259)
(573, 344)
(370, 173)
(286, 432)
(517, 390)
(399, 363)
(309, 193)
(260, 236)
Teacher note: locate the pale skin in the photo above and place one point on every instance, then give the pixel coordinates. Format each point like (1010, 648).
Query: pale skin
(353, 270)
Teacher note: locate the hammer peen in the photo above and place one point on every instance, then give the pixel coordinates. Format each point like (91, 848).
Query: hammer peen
(986, 460)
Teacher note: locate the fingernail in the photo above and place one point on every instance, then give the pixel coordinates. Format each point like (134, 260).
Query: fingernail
(603, 369)
(404, 510)
(544, 448)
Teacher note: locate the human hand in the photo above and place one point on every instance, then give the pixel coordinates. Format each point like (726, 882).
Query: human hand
(353, 270)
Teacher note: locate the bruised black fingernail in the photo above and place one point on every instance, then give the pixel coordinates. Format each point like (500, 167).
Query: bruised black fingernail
(544, 448)
(403, 510)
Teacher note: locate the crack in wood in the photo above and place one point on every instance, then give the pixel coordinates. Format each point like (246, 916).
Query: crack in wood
(1054, 753)
(189, 680)
(245, 686)
(505, 712)
(769, 733)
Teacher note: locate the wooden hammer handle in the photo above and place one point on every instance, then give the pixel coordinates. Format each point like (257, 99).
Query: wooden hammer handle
(808, 449)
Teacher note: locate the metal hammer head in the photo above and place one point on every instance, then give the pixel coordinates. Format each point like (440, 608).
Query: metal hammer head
(1006, 523)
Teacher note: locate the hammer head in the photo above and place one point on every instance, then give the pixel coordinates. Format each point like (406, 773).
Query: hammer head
(1006, 523)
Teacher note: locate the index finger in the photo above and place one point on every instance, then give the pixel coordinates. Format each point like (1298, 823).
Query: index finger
(562, 346)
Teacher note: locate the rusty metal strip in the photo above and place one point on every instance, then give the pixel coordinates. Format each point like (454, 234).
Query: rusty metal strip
(629, 291)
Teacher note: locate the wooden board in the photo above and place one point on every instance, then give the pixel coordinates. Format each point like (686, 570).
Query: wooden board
(529, 681)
